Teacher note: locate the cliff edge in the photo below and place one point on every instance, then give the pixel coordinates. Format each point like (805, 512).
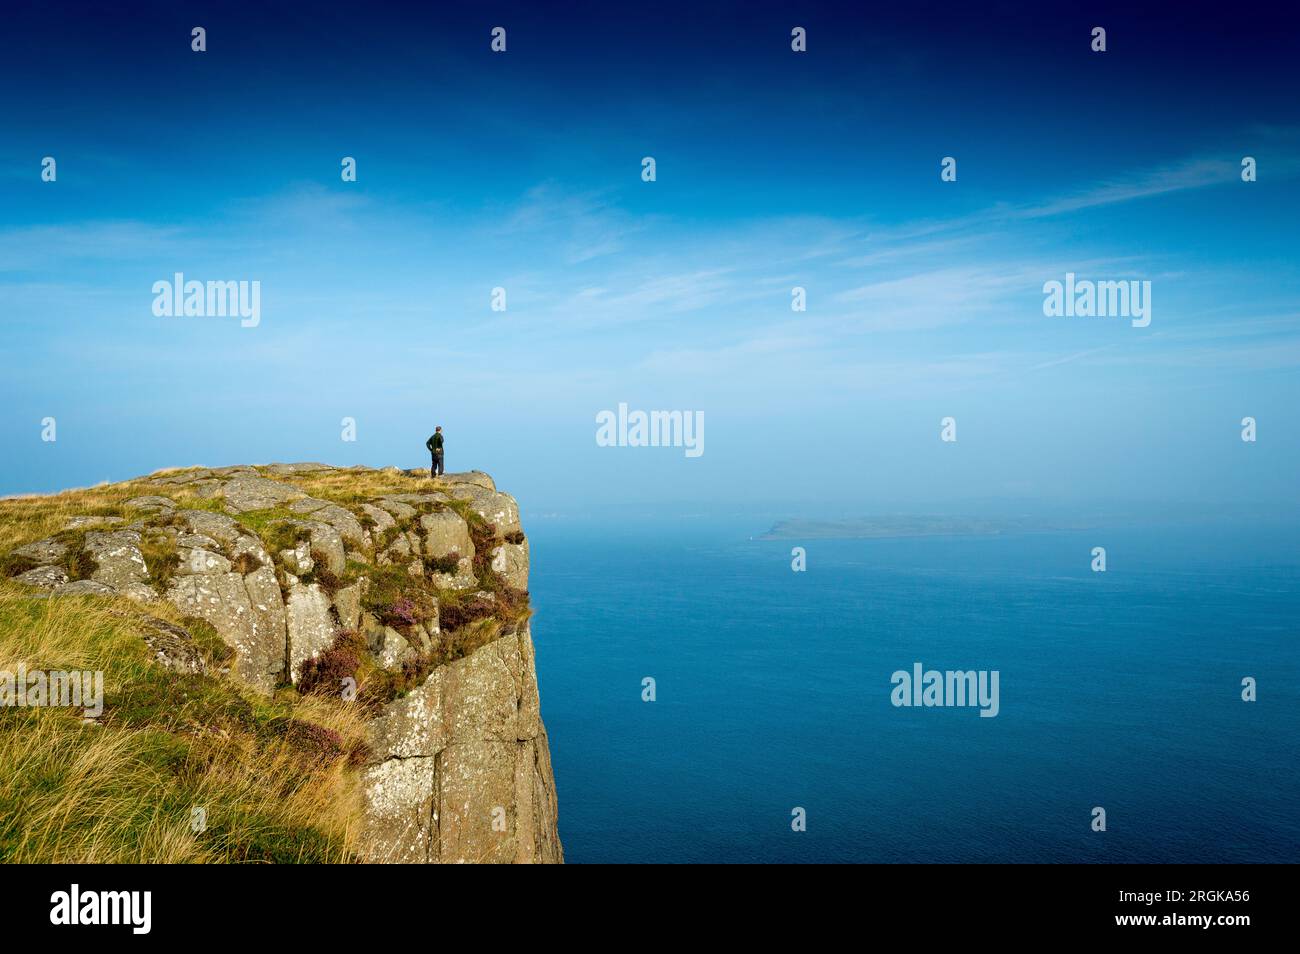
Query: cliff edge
(381, 596)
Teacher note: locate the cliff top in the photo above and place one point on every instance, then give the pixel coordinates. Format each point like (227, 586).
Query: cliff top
(252, 624)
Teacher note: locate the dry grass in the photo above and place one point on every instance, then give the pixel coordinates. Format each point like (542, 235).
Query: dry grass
(87, 794)
(123, 789)
(352, 486)
(275, 776)
(25, 519)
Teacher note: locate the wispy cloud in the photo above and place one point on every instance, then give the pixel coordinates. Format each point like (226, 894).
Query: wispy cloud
(582, 225)
(55, 247)
(1070, 358)
(1189, 174)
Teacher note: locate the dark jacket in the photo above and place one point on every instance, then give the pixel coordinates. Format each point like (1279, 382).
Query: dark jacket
(434, 443)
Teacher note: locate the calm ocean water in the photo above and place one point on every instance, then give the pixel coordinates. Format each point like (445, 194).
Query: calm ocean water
(1119, 690)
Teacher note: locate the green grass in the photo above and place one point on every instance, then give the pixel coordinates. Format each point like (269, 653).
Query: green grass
(76, 562)
(123, 789)
(274, 526)
(161, 558)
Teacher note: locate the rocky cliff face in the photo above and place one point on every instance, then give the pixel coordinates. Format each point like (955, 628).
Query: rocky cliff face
(403, 595)
(465, 758)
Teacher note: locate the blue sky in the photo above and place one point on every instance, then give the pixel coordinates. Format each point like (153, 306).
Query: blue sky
(775, 169)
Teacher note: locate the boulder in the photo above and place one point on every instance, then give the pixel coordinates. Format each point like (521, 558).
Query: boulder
(498, 509)
(473, 477)
(206, 489)
(250, 545)
(86, 588)
(181, 477)
(151, 502)
(43, 551)
(400, 510)
(343, 521)
(140, 592)
(510, 562)
(462, 579)
(311, 628)
(214, 525)
(382, 518)
(399, 549)
(46, 577)
(393, 649)
(298, 561)
(446, 532)
(244, 493)
(195, 560)
(347, 603)
(419, 636)
(117, 556)
(222, 600)
(269, 623)
(328, 544)
(372, 629)
(172, 646)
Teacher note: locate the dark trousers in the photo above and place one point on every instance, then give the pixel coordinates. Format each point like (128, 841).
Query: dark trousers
(436, 468)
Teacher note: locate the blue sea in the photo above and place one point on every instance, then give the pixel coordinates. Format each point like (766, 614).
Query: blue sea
(1119, 690)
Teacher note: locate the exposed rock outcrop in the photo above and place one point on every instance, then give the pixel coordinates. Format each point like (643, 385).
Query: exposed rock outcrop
(465, 770)
(431, 583)
(222, 600)
(311, 627)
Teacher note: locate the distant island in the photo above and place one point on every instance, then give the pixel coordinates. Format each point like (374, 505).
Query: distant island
(910, 526)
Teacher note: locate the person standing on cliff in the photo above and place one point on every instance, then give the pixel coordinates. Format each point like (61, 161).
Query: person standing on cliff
(434, 444)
